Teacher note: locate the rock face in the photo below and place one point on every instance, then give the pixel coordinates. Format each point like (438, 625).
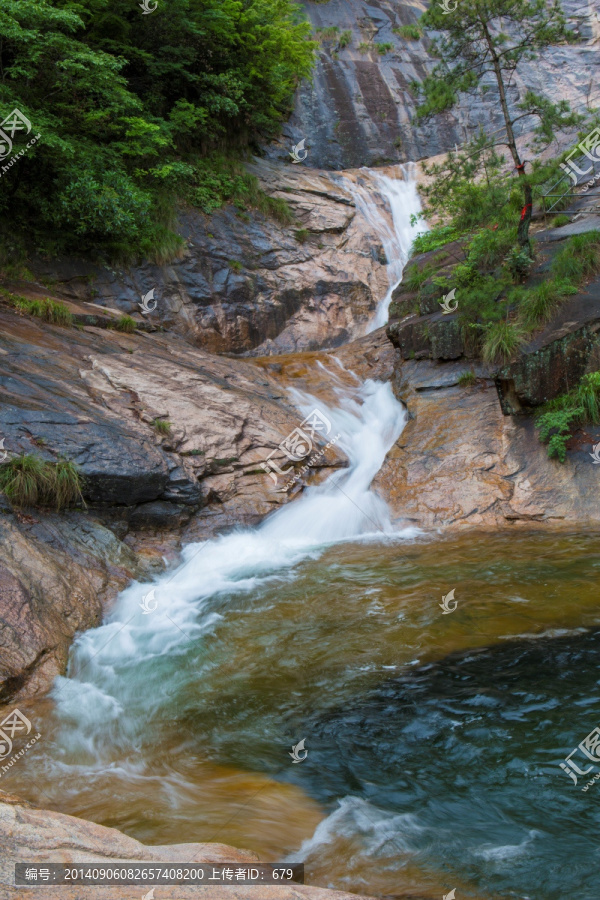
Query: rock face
(359, 109)
(94, 396)
(27, 833)
(460, 462)
(246, 284)
(557, 358)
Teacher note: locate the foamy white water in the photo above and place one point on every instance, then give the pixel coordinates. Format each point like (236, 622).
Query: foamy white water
(396, 231)
(102, 684)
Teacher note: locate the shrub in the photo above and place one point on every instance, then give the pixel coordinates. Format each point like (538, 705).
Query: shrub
(502, 341)
(28, 480)
(555, 429)
(345, 39)
(518, 263)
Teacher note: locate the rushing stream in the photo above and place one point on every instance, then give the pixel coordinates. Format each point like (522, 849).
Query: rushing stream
(433, 741)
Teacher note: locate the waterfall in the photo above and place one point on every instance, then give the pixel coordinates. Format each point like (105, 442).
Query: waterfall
(105, 681)
(394, 228)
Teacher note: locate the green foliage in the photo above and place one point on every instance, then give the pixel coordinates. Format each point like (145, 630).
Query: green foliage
(518, 262)
(579, 258)
(52, 311)
(131, 110)
(414, 277)
(345, 39)
(555, 429)
(235, 265)
(560, 220)
(364, 47)
(162, 426)
(467, 379)
(409, 32)
(28, 480)
(327, 34)
(502, 340)
(539, 303)
(384, 48)
(301, 235)
(556, 419)
(439, 236)
(125, 324)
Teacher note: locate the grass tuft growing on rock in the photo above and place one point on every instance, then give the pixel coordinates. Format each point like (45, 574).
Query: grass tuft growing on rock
(48, 310)
(163, 426)
(502, 341)
(125, 324)
(28, 480)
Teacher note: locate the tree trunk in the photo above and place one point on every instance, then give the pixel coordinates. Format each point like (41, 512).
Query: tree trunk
(523, 230)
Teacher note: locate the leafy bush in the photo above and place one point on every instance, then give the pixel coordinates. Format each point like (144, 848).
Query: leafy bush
(555, 429)
(518, 263)
(557, 417)
(130, 111)
(28, 480)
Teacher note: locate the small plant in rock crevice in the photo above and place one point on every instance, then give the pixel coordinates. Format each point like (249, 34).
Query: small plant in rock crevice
(28, 480)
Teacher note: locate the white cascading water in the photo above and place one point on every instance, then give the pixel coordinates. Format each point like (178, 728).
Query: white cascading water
(397, 235)
(102, 683)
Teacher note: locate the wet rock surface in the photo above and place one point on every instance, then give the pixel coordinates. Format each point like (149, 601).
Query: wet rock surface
(27, 833)
(360, 109)
(94, 396)
(245, 283)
